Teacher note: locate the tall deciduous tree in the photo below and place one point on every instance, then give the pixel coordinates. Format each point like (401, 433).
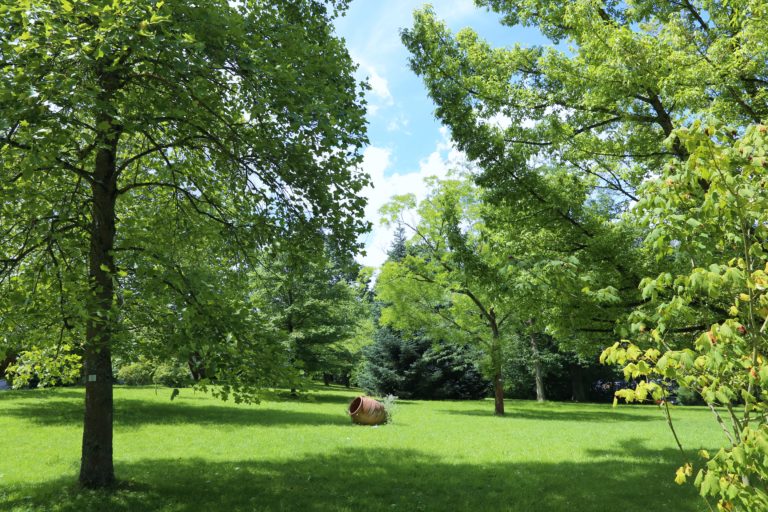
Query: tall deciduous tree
(241, 118)
(451, 282)
(632, 73)
(599, 111)
(412, 364)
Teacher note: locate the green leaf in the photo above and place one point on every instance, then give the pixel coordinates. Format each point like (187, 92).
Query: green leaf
(722, 397)
(738, 455)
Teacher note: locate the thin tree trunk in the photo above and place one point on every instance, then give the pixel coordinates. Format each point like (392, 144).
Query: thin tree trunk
(498, 393)
(578, 393)
(96, 466)
(498, 380)
(537, 370)
(196, 366)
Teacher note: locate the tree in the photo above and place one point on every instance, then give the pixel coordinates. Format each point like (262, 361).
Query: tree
(414, 365)
(528, 283)
(720, 235)
(633, 73)
(315, 305)
(411, 364)
(398, 250)
(565, 374)
(241, 120)
(597, 112)
(451, 282)
(191, 304)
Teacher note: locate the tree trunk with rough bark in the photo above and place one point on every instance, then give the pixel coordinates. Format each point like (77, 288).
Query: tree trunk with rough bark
(96, 466)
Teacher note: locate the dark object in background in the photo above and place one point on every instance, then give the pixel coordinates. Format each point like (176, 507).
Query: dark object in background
(415, 366)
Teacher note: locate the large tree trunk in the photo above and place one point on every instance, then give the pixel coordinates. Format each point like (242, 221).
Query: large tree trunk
(96, 467)
(538, 372)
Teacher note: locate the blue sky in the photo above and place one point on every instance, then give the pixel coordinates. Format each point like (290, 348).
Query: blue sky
(407, 143)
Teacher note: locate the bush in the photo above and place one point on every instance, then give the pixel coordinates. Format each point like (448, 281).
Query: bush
(390, 406)
(135, 374)
(44, 367)
(172, 375)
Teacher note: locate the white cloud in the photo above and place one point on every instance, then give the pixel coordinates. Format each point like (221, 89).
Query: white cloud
(380, 94)
(399, 124)
(499, 120)
(379, 86)
(372, 109)
(377, 162)
(457, 9)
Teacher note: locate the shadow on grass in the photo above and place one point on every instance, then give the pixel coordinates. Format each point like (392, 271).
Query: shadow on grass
(321, 395)
(42, 394)
(636, 448)
(552, 414)
(131, 413)
(315, 394)
(310, 396)
(373, 480)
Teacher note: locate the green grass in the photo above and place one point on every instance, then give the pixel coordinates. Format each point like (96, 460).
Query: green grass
(200, 454)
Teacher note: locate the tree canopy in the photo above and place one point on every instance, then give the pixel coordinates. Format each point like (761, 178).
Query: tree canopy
(595, 112)
(451, 282)
(134, 130)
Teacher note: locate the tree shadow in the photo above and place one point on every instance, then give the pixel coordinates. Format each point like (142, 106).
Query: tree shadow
(131, 413)
(41, 394)
(375, 480)
(636, 447)
(311, 397)
(551, 414)
(324, 396)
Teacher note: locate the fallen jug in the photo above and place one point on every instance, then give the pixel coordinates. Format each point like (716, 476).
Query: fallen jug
(365, 410)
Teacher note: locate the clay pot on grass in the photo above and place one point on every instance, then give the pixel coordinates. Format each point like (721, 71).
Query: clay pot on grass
(365, 410)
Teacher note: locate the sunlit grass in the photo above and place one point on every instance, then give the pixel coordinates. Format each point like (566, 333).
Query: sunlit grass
(197, 453)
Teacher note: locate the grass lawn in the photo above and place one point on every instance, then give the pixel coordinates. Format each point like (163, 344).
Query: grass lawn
(200, 454)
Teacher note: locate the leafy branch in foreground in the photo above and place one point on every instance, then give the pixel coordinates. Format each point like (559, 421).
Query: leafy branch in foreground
(711, 212)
